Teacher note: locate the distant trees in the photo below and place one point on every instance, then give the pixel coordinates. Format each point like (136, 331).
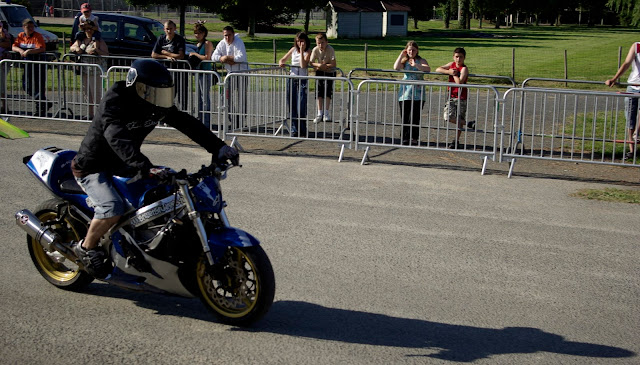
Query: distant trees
(551, 11)
(629, 11)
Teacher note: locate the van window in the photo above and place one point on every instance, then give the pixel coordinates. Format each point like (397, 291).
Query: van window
(134, 32)
(15, 15)
(156, 28)
(109, 30)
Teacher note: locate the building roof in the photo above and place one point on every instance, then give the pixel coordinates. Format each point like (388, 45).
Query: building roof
(395, 6)
(357, 6)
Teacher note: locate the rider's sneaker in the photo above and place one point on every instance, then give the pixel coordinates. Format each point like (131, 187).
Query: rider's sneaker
(94, 261)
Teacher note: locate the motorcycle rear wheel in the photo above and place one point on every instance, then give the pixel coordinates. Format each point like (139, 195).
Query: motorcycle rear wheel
(55, 268)
(240, 289)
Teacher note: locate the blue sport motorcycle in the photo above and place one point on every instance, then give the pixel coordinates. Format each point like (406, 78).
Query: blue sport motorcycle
(175, 239)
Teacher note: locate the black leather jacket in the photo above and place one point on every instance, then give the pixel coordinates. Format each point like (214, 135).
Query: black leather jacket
(123, 121)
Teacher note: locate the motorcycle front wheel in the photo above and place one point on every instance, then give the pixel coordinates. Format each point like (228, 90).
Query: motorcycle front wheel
(52, 265)
(239, 289)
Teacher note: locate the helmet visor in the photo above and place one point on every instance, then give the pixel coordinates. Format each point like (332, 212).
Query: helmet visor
(158, 96)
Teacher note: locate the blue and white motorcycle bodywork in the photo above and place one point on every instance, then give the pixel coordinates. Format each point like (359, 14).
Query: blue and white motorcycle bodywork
(175, 239)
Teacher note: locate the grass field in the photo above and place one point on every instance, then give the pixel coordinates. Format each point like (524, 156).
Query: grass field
(522, 52)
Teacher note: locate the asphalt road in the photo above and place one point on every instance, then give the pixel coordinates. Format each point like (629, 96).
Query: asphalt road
(379, 264)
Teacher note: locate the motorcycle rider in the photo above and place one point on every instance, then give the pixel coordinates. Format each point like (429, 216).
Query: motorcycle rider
(129, 111)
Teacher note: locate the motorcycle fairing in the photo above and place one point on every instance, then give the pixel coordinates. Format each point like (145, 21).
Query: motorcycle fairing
(230, 236)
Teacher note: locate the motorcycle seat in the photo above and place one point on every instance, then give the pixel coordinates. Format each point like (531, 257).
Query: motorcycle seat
(70, 186)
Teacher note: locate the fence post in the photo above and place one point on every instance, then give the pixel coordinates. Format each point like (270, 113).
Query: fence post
(619, 55)
(274, 51)
(565, 68)
(513, 63)
(366, 58)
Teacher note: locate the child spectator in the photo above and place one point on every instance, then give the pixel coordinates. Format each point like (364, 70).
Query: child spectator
(456, 108)
(410, 96)
(84, 16)
(297, 88)
(323, 61)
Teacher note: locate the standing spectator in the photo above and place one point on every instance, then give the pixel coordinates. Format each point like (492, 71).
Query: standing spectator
(52, 12)
(30, 45)
(297, 88)
(455, 110)
(410, 96)
(231, 53)
(631, 104)
(90, 43)
(323, 61)
(45, 10)
(205, 50)
(171, 46)
(6, 40)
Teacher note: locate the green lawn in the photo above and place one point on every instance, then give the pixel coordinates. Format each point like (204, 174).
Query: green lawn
(592, 53)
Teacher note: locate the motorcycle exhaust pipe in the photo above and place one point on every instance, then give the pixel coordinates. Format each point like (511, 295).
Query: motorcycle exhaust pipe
(34, 228)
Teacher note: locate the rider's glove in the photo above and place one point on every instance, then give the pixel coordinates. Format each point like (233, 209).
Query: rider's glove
(159, 173)
(229, 153)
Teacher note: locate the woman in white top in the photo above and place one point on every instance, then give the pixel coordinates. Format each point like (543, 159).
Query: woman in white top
(300, 55)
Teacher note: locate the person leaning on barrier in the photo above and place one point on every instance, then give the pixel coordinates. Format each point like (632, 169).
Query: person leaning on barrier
(129, 111)
(410, 97)
(455, 110)
(172, 46)
(90, 43)
(297, 88)
(205, 81)
(631, 104)
(30, 45)
(323, 61)
(231, 52)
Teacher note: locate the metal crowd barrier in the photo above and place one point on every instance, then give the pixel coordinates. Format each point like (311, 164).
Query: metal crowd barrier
(378, 118)
(536, 123)
(58, 90)
(544, 80)
(374, 73)
(264, 105)
(567, 125)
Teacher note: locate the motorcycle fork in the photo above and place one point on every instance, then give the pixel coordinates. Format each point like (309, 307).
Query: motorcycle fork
(195, 217)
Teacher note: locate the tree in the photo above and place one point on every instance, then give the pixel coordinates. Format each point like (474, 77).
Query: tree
(465, 16)
(420, 10)
(248, 14)
(308, 6)
(629, 11)
(181, 5)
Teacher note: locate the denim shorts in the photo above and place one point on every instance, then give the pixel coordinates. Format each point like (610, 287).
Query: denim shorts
(103, 197)
(631, 108)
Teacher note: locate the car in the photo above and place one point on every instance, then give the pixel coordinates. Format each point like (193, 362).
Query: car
(128, 35)
(14, 14)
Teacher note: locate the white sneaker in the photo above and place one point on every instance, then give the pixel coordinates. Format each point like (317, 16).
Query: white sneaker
(326, 119)
(318, 119)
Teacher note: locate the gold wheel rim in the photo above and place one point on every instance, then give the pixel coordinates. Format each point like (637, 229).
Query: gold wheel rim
(243, 297)
(48, 261)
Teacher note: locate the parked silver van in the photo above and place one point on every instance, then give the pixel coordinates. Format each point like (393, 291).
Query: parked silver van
(14, 14)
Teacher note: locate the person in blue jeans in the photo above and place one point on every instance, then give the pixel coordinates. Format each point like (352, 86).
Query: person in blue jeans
(631, 104)
(300, 55)
(205, 50)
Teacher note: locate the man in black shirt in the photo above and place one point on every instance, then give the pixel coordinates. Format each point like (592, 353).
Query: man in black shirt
(127, 114)
(171, 46)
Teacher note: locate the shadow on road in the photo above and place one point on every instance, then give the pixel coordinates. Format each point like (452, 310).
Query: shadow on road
(439, 340)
